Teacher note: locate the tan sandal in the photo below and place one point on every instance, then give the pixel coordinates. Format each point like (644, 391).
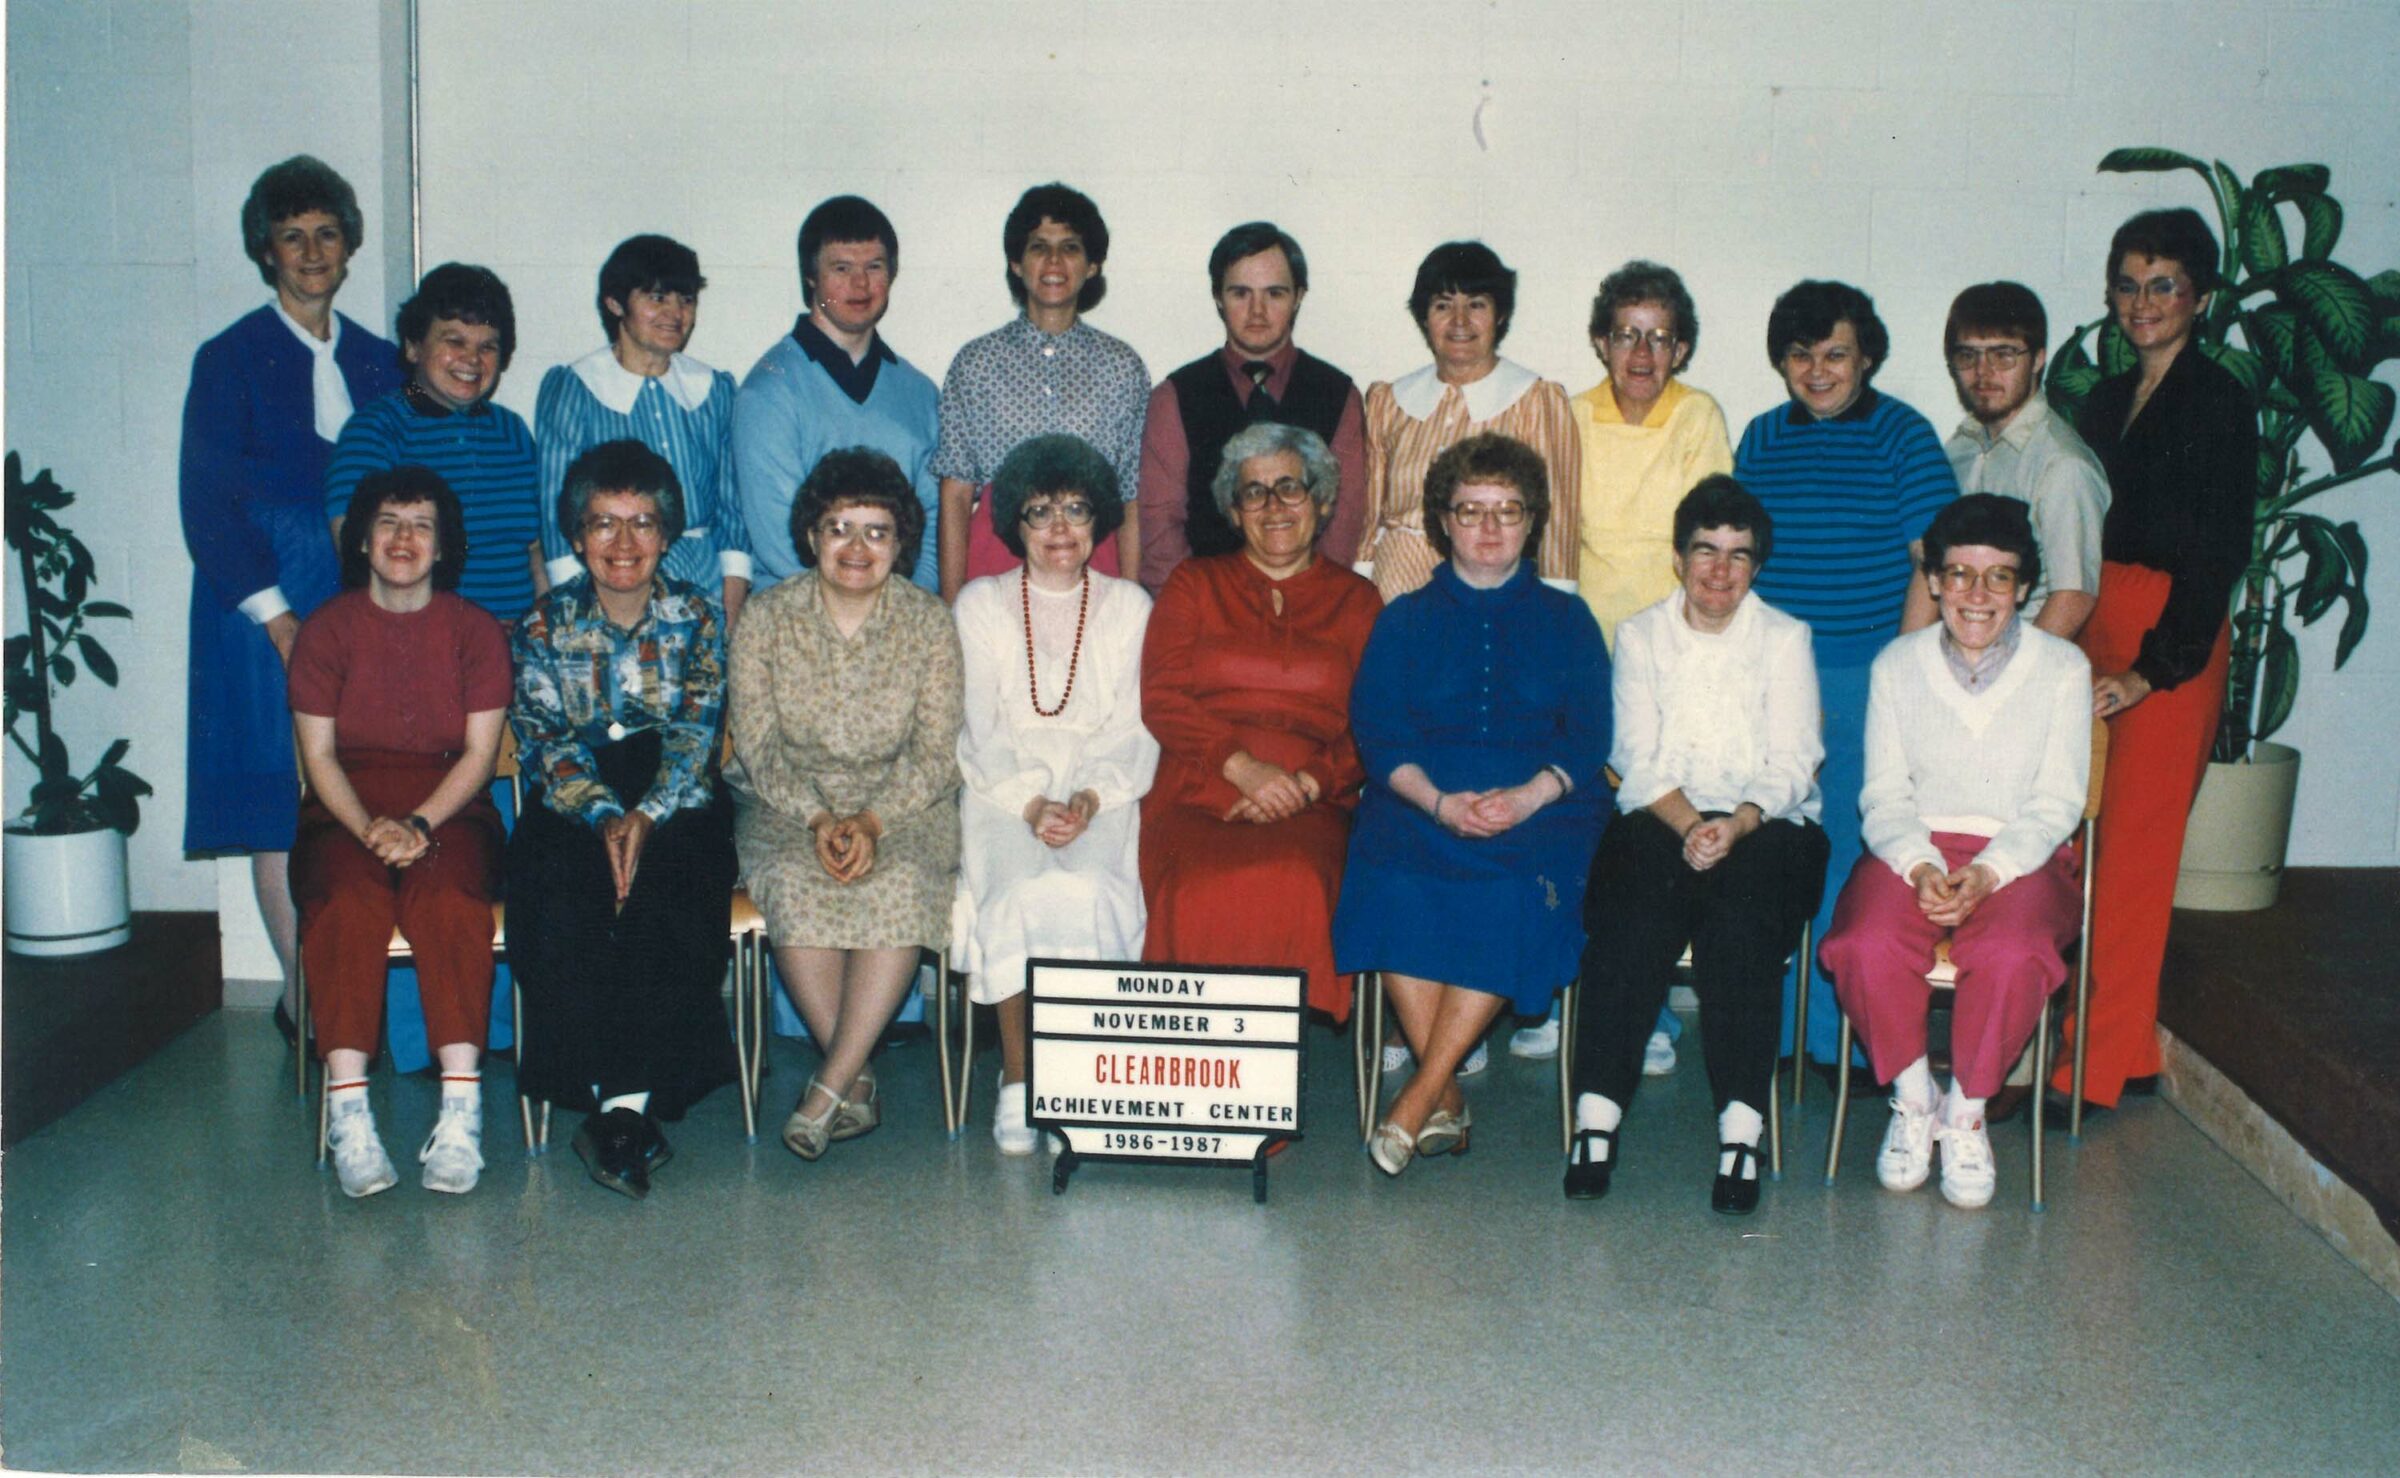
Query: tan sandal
(857, 1116)
(1392, 1148)
(1445, 1133)
(806, 1136)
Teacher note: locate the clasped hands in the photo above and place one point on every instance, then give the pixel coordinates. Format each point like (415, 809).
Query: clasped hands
(846, 844)
(1708, 841)
(624, 837)
(1948, 898)
(1057, 823)
(1270, 792)
(1487, 813)
(394, 843)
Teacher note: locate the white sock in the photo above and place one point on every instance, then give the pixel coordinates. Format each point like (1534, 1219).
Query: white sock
(638, 1102)
(346, 1097)
(1739, 1124)
(462, 1096)
(1914, 1087)
(1960, 1111)
(1592, 1111)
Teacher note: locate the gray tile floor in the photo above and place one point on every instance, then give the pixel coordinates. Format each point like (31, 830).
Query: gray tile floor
(186, 1291)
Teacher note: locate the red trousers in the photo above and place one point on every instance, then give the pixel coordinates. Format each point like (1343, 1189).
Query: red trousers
(442, 904)
(2157, 752)
(2009, 956)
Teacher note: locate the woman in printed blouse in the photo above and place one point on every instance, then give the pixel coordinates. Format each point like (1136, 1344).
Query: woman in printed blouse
(622, 865)
(846, 713)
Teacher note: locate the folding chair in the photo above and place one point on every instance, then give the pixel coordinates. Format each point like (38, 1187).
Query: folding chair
(1944, 976)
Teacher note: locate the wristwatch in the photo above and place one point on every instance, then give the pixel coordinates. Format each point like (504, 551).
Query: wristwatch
(423, 826)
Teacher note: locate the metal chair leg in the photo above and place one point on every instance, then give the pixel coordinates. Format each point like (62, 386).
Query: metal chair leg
(324, 1115)
(1774, 1127)
(2083, 984)
(516, 1007)
(756, 981)
(966, 1043)
(301, 1034)
(1841, 1105)
(1370, 1013)
(942, 1046)
(2041, 1079)
(1803, 973)
(1358, 1049)
(1566, 1065)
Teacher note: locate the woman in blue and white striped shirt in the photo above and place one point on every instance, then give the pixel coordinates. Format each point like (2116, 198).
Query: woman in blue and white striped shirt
(643, 387)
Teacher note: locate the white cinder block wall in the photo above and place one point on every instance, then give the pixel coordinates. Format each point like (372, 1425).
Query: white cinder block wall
(1910, 147)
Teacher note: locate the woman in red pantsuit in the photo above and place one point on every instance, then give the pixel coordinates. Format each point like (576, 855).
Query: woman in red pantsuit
(398, 691)
(2179, 438)
(1246, 686)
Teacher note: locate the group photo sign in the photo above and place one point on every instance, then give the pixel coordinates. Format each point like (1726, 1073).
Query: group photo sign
(1165, 1064)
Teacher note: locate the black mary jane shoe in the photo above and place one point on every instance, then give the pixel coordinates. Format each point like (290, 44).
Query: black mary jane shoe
(656, 1152)
(610, 1146)
(1733, 1194)
(1587, 1178)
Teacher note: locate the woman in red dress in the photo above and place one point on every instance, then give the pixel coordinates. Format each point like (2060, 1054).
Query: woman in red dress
(1246, 686)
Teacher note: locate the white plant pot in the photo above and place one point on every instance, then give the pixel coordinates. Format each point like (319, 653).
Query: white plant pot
(66, 894)
(2241, 822)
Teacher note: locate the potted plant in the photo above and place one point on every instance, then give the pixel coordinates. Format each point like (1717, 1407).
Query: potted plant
(2311, 334)
(65, 857)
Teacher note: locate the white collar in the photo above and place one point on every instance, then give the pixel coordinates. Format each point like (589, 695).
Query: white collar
(1736, 630)
(326, 345)
(687, 380)
(1419, 392)
(2019, 430)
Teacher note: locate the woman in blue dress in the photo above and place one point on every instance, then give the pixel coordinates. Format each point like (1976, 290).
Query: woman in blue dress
(1481, 710)
(268, 397)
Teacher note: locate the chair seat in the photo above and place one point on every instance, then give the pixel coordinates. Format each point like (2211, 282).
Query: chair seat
(746, 917)
(399, 948)
(1943, 975)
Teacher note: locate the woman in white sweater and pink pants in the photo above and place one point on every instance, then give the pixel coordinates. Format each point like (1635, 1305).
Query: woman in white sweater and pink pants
(1978, 751)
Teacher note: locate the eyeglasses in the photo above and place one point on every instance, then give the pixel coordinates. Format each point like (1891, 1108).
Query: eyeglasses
(1998, 579)
(644, 526)
(2156, 290)
(842, 530)
(1041, 515)
(1626, 340)
(1965, 357)
(1291, 492)
(1471, 515)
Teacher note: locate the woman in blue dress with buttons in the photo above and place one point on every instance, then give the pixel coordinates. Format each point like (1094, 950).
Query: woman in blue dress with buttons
(268, 397)
(1481, 710)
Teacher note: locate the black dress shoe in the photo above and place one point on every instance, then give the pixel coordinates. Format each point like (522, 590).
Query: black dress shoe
(1587, 1178)
(655, 1149)
(1734, 1194)
(610, 1146)
(2006, 1104)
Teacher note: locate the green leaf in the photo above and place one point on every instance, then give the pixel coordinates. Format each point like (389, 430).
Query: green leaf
(2270, 472)
(2279, 682)
(2327, 571)
(2384, 287)
(2331, 299)
(2288, 180)
(106, 608)
(2241, 364)
(95, 657)
(2354, 626)
(2271, 331)
(2147, 160)
(2262, 248)
(2116, 355)
(2321, 226)
(62, 671)
(2348, 413)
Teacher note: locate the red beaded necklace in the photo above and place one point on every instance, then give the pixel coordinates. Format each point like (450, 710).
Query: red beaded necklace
(1083, 608)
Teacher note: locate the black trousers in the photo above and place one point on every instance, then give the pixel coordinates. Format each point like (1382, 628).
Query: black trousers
(1741, 918)
(628, 1000)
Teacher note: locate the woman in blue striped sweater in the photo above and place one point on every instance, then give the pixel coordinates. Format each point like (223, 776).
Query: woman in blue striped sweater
(1852, 478)
(457, 335)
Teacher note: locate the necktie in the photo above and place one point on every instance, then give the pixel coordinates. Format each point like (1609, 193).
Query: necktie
(1262, 405)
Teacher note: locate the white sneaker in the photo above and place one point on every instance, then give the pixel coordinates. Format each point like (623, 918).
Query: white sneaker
(1477, 1060)
(1539, 1042)
(1010, 1130)
(1395, 1056)
(453, 1154)
(358, 1156)
(1967, 1173)
(1658, 1057)
(1907, 1148)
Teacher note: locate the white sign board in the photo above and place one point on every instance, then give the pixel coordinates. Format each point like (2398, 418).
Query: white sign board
(1163, 1063)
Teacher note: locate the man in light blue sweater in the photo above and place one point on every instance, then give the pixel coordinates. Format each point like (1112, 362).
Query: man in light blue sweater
(831, 383)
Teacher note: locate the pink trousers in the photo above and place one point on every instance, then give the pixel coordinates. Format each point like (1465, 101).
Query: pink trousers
(2008, 955)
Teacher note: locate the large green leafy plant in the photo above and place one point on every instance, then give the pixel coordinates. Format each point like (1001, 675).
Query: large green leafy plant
(55, 579)
(2312, 333)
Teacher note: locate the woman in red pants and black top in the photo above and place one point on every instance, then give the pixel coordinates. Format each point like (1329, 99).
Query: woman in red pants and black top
(2179, 438)
(398, 690)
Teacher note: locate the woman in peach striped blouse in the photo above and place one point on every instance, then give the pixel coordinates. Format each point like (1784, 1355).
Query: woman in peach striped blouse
(1462, 301)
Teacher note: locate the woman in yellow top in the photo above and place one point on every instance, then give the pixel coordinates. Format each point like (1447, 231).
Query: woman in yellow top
(1647, 439)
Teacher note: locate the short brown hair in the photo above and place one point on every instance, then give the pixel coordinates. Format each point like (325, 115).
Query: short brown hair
(1489, 457)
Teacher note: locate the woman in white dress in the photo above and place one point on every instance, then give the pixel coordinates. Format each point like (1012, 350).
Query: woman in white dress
(1054, 754)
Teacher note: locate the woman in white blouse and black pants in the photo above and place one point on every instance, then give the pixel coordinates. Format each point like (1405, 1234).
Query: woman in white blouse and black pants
(1715, 843)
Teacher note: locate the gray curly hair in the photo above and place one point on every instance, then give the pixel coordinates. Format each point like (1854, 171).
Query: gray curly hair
(1264, 439)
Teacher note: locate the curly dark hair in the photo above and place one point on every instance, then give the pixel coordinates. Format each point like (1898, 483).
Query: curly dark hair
(1640, 282)
(1992, 521)
(295, 187)
(623, 466)
(859, 477)
(649, 263)
(1807, 313)
(1072, 209)
(1717, 501)
(1489, 457)
(396, 487)
(1468, 268)
(2179, 235)
(1057, 463)
(458, 291)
